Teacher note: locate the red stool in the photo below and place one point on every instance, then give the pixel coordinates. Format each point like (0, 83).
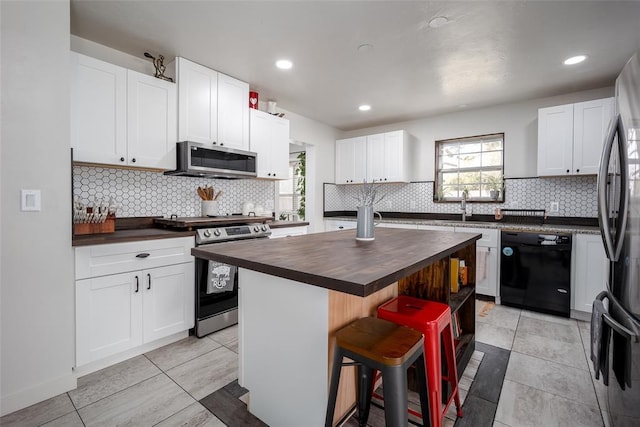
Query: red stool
(433, 319)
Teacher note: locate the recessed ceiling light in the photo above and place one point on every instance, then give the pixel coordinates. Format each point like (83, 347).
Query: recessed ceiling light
(575, 60)
(364, 107)
(438, 21)
(284, 64)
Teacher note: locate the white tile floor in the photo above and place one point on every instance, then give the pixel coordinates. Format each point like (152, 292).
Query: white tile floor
(549, 379)
(548, 382)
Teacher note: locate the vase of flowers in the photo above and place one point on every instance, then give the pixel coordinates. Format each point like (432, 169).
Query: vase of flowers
(367, 197)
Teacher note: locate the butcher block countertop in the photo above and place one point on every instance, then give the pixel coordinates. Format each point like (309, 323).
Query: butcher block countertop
(337, 261)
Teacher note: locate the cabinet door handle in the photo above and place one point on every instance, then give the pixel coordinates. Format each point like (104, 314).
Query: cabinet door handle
(122, 159)
(567, 170)
(149, 277)
(137, 284)
(577, 170)
(142, 255)
(133, 160)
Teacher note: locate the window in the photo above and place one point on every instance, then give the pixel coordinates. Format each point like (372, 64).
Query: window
(291, 192)
(473, 164)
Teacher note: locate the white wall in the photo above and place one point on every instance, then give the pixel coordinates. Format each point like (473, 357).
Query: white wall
(518, 121)
(319, 140)
(37, 289)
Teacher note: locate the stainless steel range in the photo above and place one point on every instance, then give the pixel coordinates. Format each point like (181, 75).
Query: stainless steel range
(217, 283)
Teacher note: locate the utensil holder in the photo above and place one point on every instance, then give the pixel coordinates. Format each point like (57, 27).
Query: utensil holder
(210, 208)
(108, 225)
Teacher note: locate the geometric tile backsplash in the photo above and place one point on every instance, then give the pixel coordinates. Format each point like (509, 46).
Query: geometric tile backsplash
(145, 193)
(576, 197)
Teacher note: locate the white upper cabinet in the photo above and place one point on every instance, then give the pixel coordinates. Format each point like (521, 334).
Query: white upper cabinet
(591, 121)
(98, 111)
(383, 157)
(376, 157)
(151, 124)
(397, 157)
(197, 102)
(351, 160)
(233, 112)
(570, 137)
(270, 140)
(213, 108)
(121, 117)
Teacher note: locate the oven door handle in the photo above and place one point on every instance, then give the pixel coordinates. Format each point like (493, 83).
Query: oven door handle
(143, 255)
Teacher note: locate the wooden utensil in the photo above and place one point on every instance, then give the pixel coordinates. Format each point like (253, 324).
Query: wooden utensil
(202, 193)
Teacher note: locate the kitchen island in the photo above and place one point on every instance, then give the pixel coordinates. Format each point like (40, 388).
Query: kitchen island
(296, 292)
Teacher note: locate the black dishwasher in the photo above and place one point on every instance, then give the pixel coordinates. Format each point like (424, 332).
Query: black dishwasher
(535, 271)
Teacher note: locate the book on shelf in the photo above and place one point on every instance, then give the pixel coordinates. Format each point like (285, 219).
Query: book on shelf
(455, 325)
(454, 274)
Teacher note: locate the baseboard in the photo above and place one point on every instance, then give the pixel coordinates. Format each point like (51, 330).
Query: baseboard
(581, 315)
(32, 395)
(128, 354)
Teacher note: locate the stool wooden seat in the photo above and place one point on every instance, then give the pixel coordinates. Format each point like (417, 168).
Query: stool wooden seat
(433, 319)
(377, 344)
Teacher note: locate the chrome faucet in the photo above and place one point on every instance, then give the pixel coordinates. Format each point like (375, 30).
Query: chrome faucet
(463, 206)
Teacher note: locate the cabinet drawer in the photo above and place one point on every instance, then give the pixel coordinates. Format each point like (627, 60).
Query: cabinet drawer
(100, 260)
(489, 236)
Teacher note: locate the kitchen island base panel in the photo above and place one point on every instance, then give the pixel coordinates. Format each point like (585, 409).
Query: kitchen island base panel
(277, 314)
(283, 348)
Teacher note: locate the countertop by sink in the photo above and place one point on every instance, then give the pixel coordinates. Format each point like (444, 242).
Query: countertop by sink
(511, 226)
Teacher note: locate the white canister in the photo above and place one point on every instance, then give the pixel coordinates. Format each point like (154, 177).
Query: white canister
(209, 207)
(271, 107)
(247, 207)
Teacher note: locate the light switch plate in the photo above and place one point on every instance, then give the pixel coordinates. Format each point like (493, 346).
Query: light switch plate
(30, 200)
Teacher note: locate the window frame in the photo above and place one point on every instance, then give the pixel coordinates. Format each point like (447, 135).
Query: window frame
(295, 196)
(470, 140)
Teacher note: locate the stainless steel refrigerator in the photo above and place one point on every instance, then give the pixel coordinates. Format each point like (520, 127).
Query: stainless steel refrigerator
(616, 324)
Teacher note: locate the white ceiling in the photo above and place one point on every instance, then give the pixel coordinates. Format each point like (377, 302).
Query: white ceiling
(488, 53)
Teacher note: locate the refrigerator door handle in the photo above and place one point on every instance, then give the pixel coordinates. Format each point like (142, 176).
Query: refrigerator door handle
(621, 329)
(624, 190)
(603, 213)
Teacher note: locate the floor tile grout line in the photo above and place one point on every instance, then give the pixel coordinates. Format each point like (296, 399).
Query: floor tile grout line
(592, 376)
(119, 391)
(551, 393)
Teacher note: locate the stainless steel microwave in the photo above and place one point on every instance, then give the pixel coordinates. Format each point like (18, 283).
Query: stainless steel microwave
(210, 161)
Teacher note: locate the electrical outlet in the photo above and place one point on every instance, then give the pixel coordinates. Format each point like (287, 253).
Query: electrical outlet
(555, 207)
(412, 204)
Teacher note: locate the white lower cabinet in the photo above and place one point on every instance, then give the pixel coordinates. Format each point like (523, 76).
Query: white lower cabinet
(277, 233)
(337, 224)
(591, 270)
(486, 259)
(395, 225)
(121, 311)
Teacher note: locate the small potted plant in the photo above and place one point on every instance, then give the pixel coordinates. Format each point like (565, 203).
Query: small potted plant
(496, 185)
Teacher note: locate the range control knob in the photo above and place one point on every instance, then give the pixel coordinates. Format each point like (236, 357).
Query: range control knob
(207, 233)
(263, 228)
(216, 232)
(256, 228)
